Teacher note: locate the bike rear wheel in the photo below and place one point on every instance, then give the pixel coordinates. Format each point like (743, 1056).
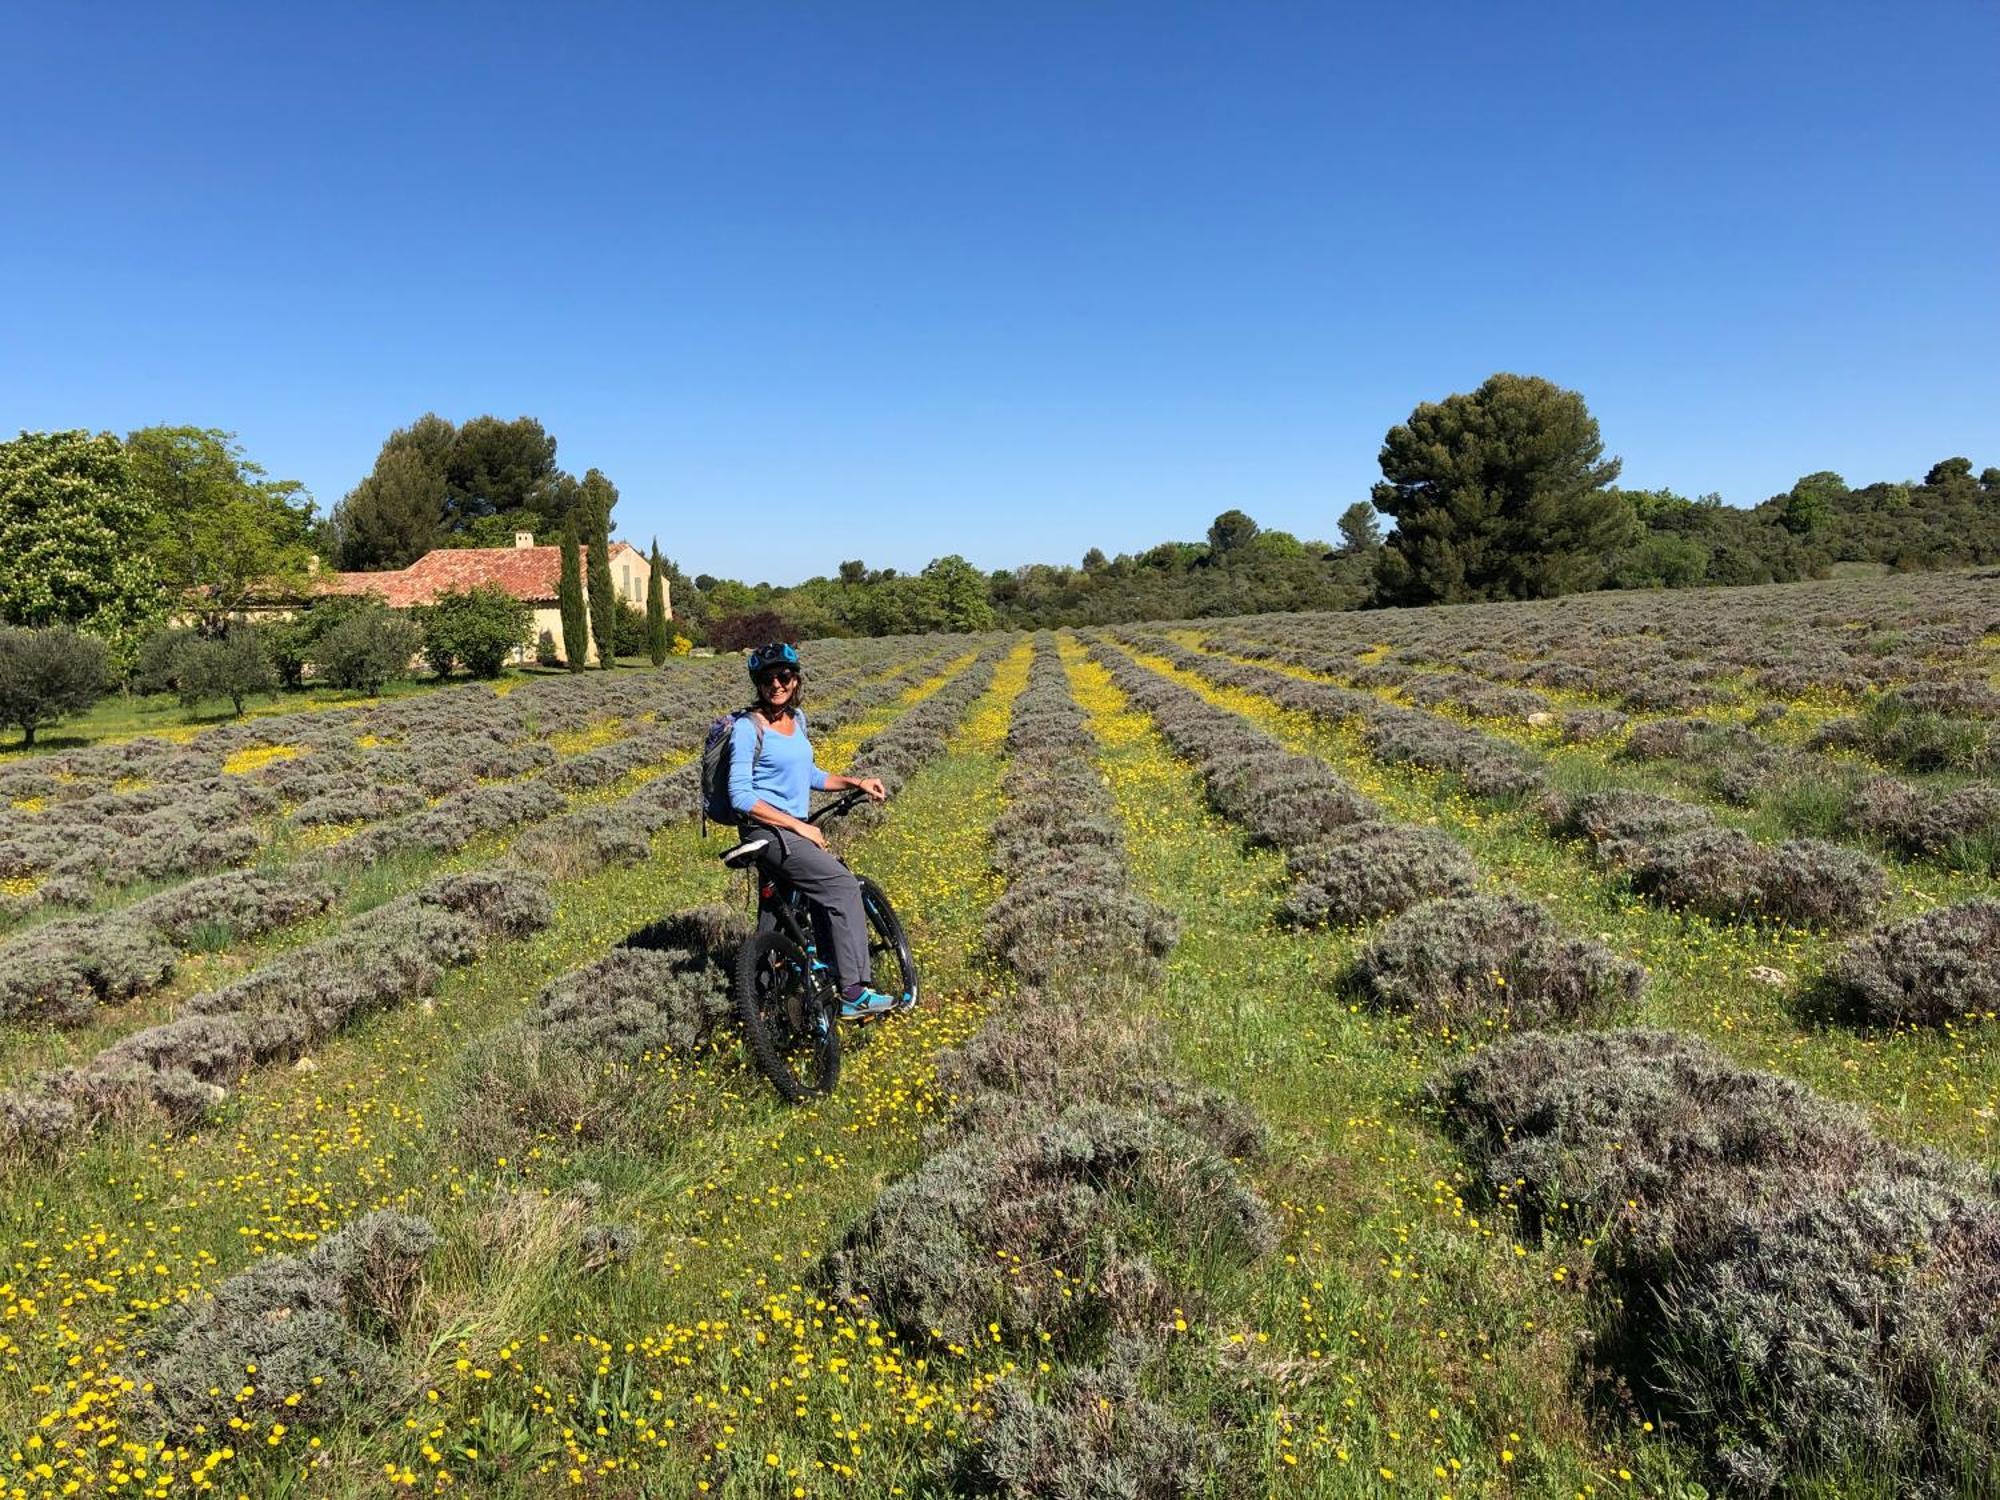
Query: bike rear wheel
(789, 1023)
(888, 946)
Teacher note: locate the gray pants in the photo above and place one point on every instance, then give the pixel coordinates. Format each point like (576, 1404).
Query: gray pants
(839, 927)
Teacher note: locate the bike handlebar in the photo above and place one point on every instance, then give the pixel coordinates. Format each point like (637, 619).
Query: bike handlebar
(840, 806)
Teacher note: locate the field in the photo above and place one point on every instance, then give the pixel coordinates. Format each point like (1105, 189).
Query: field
(1498, 1050)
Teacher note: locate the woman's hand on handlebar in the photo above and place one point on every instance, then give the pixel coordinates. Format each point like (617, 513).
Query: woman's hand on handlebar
(872, 785)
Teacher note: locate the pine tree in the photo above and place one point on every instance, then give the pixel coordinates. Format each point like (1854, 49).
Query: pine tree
(569, 599)
(656, 607)
(1501, 493)
(599, 495)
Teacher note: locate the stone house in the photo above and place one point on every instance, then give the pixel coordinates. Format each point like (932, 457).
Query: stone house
(528, 572)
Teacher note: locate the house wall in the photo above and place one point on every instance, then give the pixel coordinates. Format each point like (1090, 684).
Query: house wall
(549, 618)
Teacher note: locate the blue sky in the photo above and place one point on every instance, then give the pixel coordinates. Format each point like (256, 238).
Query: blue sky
(886, 281)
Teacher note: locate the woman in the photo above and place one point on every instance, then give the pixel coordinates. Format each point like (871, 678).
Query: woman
(770, 787)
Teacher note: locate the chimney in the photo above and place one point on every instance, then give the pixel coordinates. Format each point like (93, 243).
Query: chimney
(523, 540)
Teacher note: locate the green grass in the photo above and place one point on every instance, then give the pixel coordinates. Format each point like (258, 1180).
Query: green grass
(737, 1198)
(119, 716)
(1400, 1329)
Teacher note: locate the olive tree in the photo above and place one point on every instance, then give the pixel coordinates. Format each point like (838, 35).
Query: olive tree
(46, 675)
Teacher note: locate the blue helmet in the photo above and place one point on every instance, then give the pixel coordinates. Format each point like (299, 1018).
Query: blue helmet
(777, 654)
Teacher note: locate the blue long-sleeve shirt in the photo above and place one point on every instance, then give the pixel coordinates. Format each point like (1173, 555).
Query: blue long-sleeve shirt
(784, 775)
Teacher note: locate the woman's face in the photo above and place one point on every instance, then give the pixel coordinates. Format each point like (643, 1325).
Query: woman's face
(779, 686)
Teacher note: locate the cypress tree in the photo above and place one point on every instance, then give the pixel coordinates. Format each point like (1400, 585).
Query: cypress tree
(569, 599)
(599, 495)
(656, 607)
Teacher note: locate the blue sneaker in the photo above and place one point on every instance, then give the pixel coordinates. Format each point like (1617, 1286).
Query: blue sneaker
(866, 1006)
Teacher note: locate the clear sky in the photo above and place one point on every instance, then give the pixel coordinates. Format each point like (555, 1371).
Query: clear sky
(817, 281)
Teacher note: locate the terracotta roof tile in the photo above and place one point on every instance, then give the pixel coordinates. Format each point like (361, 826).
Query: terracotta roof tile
(528, 573)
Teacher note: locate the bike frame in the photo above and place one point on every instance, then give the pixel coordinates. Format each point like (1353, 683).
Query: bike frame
(780, 906)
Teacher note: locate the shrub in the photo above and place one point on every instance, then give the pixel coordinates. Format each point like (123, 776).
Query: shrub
(478, 628)
(366, 649)
(1724, 874)
(232, 666)
(1492, 961)
(630, 1002)
(1621, 825)
(1093, 1434)
(1038, 1056)
(1089, 1199)
(317, 1328)
(1575, 1129)
(1937, 969)
(62, 971)
(244, 902)
(47, 675)
(1065, 918)
(1381, 869)
(1582, 725)
(546, 654)
(1796, 1293)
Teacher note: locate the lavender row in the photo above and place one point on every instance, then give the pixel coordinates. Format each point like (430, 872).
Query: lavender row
(1674, 853)
(1070, 907)
(1456, 960)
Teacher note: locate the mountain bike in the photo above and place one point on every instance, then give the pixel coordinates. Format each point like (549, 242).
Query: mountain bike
(786, 997)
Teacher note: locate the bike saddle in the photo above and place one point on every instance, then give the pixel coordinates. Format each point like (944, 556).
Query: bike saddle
(744, 852)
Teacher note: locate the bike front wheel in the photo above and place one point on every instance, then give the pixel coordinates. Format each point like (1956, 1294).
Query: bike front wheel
(888, 946)
(789, 1023)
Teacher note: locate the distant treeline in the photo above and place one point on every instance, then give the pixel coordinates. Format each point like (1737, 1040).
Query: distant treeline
(1501, 493)
(1498, 493)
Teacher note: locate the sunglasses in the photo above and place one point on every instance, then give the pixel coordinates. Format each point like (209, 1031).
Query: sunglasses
(779, 674)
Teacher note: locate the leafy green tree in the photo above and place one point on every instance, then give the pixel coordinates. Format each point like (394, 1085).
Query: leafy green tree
(1230, 532)
(1274, 543)
(233, 666)
(223, 531)
(366, 649)
(854, 571)
(657, 640)
(1498, 494)
(570, 604)
(477, 628)
(1810, 503)
(439, 485)
(73, 524)
(691, 608)
(1660, 560)
(395, 515)
(1953, 475)
(1094, 561)
(1360, 531)
(961, 593)
(290, 642)
(500, 469)
(46, 675)
(600, 495)
(628, 629)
